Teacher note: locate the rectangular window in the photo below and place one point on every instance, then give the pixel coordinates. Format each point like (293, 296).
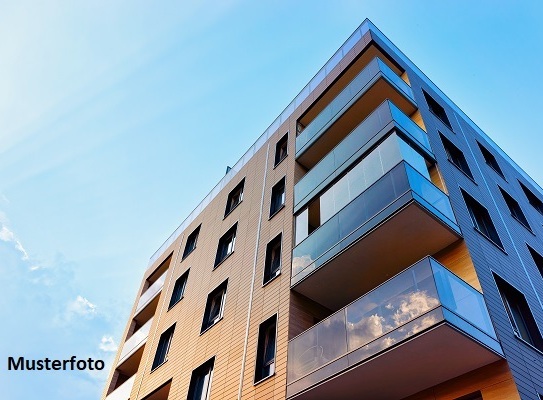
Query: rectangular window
(226, 244)
(481, 219)
(178, 289)
(281, 149)
(200, 381)
(161, 355)
(514, 208)
(472, 396)
(265, 355)
(273, 259)
(277, 197)
(456, 156)
(532, 198)
(437, 109)
(214, 306)
(490, 159)
(191, 242)
(538, 259)
(234, 198)
(519, 314)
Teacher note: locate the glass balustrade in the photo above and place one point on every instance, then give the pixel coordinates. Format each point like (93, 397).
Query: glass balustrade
(135, 341)
(416, 299)
(123, 391)
(151, 292)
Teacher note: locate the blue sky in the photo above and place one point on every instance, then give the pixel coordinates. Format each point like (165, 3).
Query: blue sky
(117, 118)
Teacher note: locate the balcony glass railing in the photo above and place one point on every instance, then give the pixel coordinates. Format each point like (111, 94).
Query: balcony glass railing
(135, 341)
(391, 192)
(151, 292)
(416, 299)
(379, 122)
(123, 391)
(346, 98)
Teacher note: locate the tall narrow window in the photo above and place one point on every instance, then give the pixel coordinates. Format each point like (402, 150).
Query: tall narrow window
(456, 156)
(514, 208)
(265, 355)
(519, 314)
(277, 197)
(178, 289)
(490, 159)
(226, 244)
(532, 198)
(234, 198)
(214, 306)
(200, 381)
(481, 219)
(281, 149)
(273, 259)
(437, 109)
(191, 242)
(161, 355)
(538, 259)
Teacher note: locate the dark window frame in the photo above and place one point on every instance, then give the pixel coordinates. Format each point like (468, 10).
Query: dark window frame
(537, 258)
(265, 354)
(190, 244)
(281, 150)
(278, 197)
(437, 109)
(456, 157)
(273, 265)
(533, 199)
(481, 220)
(226, 246)
(178, 291)
(236, 193)
(491, 160)
(519, 313)
(163, 347)
(205, 372)
(214, 310)
(515, 209)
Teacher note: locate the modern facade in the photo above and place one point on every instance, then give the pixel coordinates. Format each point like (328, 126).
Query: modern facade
(373, 243)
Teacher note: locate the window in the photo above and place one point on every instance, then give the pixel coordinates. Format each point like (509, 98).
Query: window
(456, 156)
(265, 355)
(514, 208)
(200, 381)
(481, 219)
(214, 306)
(538, 259)
(178, 289)
(273, 259)
(491, 160)
(437, 109)
(191, 242)
(277, 197)
(226, 245)
(161, 355)
(281, 149)
(532, 198)
(519, 314)
(234, 198)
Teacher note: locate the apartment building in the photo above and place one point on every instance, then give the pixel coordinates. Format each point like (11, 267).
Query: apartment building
(373, 243)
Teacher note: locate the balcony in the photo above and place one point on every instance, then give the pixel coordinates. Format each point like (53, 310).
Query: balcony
(151, 292)
(399, 219)
(135, 342)
(123, 391)
(381, 121)
(420, 328)
(375, 83)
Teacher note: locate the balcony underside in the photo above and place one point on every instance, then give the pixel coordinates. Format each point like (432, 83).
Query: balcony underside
(130, 364)
(426, 360)
(401, 239)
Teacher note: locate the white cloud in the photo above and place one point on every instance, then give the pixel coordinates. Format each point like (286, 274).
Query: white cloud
(107, 344)
(6, 235)
(81, 307)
